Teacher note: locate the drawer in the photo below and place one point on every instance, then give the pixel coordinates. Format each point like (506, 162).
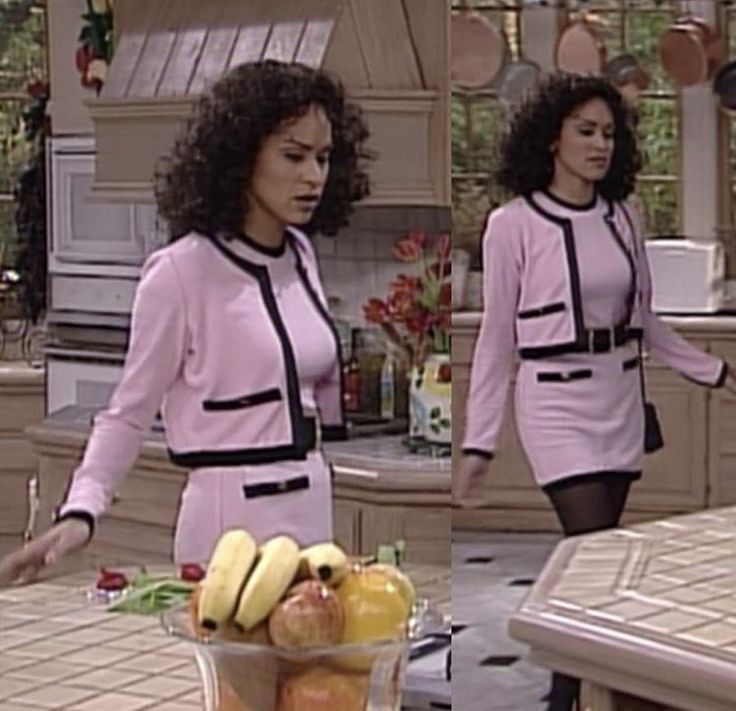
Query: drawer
(77, 382)
(92, 294)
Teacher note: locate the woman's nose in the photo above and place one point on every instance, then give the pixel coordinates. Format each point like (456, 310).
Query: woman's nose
(313, 172)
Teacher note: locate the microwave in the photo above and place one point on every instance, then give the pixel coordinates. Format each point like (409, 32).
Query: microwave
(687, 276)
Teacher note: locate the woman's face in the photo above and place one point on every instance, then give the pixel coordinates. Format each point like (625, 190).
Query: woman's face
(290, 171)
(585, 146)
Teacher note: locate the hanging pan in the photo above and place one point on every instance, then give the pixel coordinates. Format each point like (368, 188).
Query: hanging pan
(479, 51)
(580, 49)
(691, 51)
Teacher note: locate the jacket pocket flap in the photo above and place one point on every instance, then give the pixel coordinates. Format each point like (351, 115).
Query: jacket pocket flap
(630, 363)
(564, 376)
(237, 403)
(542, 310)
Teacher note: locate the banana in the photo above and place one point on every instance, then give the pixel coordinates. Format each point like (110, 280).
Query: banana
(230, 563)
(325, 562)
(275, 569)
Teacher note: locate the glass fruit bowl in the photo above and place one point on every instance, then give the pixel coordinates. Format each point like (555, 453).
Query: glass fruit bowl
(244, 676)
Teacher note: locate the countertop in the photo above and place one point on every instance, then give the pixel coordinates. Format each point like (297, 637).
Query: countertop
(365, 462)
(48, 661)
(649, 609)
(718, 322)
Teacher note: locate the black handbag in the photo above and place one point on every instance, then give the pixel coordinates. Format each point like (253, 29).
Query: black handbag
(653, 439)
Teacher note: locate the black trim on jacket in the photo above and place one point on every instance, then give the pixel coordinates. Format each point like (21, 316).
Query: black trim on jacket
(329, 432)
(580, 342)
(299, 428)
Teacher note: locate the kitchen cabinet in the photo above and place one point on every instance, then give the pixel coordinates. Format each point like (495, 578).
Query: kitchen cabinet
(376, 499)
(88, 233)
(693, 471)
(21, 405)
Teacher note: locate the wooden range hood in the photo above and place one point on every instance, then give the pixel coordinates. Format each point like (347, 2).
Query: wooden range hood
(392, 55)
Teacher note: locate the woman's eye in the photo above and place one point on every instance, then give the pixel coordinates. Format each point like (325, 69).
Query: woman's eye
(294, 157)
(323, 160)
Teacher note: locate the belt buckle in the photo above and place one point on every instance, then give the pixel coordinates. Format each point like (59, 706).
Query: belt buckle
(591, 341)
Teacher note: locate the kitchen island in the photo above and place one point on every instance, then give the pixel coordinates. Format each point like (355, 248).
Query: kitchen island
(60, 651)
(646, 611)
(382, 493)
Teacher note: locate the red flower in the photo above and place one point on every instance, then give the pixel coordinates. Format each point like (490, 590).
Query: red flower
(418, 237)
(83, 57)
(405, 250)
(375, 311)
(445, 295)
(444, 246)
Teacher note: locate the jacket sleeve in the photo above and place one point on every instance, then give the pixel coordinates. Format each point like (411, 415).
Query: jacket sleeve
(662, 341)
(495, 347)
(155, 354)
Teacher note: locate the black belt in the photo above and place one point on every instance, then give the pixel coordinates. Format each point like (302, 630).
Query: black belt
(603, 340)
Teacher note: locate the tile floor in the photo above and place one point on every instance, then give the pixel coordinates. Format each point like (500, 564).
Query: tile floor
(491, 574)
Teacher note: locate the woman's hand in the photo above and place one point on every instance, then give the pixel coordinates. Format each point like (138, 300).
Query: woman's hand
(24, 564)
(467, 481)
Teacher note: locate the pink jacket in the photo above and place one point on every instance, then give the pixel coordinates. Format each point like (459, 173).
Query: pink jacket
(208, 342)
(533, 309)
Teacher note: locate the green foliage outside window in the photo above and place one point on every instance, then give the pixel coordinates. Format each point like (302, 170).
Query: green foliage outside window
(22, 59)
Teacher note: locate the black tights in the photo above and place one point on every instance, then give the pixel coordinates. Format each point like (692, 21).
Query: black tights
(584, 504)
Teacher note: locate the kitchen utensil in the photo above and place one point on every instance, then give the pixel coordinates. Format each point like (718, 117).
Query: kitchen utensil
(479, 50)
(625, 69)
(724, 84)
(691, 51)
(460, 265)
(517, 80)
(579, 48)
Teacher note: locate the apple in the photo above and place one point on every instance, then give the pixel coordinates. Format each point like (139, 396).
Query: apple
(321, 689)
(309, 615)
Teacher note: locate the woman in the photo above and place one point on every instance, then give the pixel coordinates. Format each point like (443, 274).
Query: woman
(567, 292)
(229, 334)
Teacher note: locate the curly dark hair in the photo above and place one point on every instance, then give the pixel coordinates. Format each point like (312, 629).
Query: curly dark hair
(201, 186)
(526, 163)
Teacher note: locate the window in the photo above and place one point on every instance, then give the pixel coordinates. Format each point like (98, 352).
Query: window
(22, 58)
(635, 26)
(477, 117)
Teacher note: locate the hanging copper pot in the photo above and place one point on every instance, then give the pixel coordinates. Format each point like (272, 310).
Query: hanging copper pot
(579, 48)
(479, 51)
(691, 51)
(724, 84)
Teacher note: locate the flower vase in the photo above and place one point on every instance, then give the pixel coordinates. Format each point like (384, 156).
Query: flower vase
(430, 399)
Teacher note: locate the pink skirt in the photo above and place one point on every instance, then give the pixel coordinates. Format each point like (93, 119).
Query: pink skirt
(293, 498)
(581, 413)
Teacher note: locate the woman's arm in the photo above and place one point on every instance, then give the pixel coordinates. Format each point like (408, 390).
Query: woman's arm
(156, 349)
(663, 342)
(496, 345)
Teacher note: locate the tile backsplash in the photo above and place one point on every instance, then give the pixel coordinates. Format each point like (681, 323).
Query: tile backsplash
(358, 263)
